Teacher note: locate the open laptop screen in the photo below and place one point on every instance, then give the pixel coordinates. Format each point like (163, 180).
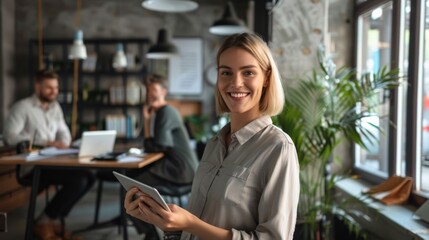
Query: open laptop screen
(97, 142)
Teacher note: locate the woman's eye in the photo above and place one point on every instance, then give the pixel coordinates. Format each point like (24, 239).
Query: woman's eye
(249, 73)
(225, 73)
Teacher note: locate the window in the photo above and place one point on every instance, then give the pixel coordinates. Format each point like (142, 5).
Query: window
(424, 77)
(374, 43)
(404, 45)
(396, 34)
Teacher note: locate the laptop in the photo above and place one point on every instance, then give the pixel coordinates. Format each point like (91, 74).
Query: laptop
(97, 142)
(423, 212)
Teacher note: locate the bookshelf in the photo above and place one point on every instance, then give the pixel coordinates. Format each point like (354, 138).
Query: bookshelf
(108, 98)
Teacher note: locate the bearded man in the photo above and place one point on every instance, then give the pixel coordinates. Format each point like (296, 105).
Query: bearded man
(39, 119)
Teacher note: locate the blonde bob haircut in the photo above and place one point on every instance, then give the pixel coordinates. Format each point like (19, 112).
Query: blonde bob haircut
(272, 99)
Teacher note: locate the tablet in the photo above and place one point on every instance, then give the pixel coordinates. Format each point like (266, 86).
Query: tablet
(128, 183)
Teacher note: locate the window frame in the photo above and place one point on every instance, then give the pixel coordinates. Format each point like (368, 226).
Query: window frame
(412, 100)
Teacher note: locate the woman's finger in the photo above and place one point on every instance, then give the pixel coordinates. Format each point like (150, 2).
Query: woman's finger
(129, 195)
(130, 203)
(154, 205)
(150, 215)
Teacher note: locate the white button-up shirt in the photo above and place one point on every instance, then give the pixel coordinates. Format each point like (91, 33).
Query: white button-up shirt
(251, 188)
(27, 120)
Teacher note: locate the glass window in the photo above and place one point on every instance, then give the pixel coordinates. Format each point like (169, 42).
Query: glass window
(404, 46)
(424, 169)
(374, 53)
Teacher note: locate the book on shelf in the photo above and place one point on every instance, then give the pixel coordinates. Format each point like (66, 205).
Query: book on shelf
(132, 94)
(90, 63)
(126, 126)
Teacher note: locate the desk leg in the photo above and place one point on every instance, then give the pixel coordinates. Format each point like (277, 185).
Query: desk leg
(123, 213)
(32, 204)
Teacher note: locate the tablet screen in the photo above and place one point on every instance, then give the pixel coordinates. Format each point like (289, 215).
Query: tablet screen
(128, 183)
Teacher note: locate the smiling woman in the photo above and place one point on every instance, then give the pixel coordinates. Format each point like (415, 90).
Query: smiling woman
(247, 183)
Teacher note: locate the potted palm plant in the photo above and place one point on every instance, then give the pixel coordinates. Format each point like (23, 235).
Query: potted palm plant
(320, 112)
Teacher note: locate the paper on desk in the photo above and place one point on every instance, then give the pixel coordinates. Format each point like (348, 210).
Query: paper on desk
(129, 159)
(53, 151)
(34, 156)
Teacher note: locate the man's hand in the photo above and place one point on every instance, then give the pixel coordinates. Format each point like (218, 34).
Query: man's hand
(57, 144)
(147, 112)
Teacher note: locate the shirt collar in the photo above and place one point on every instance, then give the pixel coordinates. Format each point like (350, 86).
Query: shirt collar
(248, 131)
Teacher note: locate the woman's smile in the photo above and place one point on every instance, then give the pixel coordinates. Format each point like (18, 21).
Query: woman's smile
(238, 95)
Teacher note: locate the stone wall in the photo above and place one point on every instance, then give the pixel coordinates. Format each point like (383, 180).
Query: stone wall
(7, 52)
(300, 27)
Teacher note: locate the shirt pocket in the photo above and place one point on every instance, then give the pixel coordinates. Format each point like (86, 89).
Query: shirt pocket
(231, 183)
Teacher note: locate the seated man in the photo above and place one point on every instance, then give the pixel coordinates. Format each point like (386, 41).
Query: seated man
(39, 119)
(164, 131)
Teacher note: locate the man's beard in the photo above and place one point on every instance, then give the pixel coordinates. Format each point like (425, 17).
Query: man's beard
(46, 99)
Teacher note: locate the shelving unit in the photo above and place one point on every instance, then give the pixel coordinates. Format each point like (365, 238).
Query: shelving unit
(103, 91)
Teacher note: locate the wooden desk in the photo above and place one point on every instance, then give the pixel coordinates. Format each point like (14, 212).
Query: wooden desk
(72, 161)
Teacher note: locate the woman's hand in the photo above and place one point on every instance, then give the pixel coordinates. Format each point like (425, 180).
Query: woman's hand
(178, 219)
(132, 205)
(143, 207)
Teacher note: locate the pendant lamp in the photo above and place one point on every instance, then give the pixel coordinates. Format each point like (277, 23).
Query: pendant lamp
(163, 49)
(78, 49)
(229, 23)
(119, 59)
(170, 5)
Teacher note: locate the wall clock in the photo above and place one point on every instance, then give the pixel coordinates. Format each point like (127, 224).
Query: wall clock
(211, 74)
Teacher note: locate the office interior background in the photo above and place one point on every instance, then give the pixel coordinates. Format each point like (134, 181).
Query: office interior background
(362, 34)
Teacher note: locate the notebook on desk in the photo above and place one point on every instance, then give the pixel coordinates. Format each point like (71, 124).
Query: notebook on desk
(97, 142)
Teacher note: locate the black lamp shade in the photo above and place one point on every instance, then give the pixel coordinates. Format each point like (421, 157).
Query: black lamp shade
(229, 23)
(163, 49)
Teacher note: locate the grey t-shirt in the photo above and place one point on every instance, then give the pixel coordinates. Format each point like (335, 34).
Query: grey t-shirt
(251, 188)
(170, 136)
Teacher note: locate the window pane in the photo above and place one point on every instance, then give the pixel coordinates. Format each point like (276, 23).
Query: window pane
(402, 90)
(425, 106)
(374, 42)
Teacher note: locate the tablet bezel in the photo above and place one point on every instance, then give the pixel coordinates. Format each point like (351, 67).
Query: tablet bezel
(128, 183)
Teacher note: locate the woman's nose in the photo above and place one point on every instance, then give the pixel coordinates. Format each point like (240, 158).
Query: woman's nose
(237, 80)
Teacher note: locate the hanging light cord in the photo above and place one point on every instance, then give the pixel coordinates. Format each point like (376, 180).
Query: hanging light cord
(40, 34)
(77, 18)
(75, 79)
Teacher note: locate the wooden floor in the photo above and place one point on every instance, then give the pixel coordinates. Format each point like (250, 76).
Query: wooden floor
(81, 216)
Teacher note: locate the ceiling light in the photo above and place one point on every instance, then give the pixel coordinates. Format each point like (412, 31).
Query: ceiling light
(119, 59)
(229, 23)
(78, 49)
(170, 5)
(163, 49)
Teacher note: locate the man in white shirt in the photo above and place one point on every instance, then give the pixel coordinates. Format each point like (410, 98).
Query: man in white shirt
(40, 120)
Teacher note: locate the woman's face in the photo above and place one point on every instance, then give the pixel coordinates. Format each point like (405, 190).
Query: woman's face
(240, 81)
